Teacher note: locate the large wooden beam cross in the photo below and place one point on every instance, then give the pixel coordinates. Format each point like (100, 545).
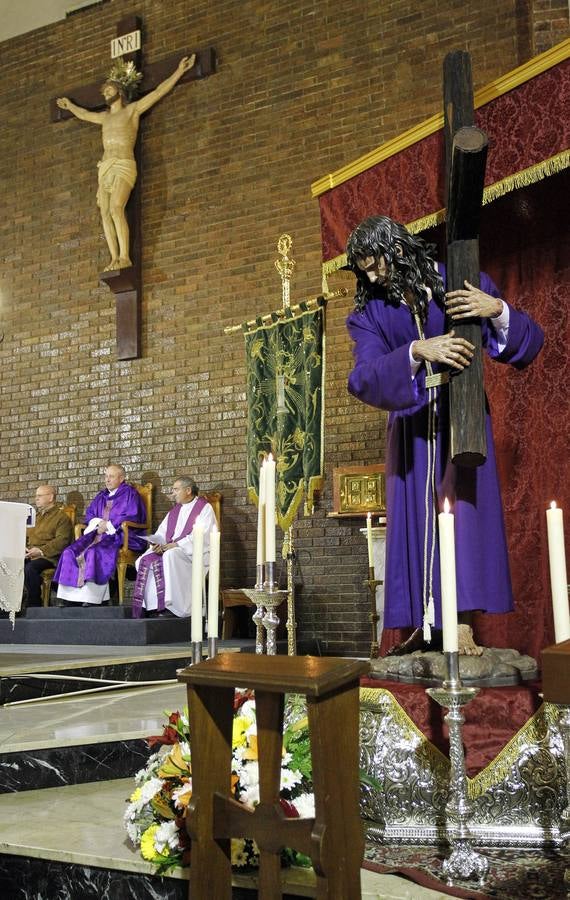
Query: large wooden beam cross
(126, 283)
(466, 156)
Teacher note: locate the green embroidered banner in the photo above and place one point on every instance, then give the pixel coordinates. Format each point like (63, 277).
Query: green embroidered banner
(285, 394)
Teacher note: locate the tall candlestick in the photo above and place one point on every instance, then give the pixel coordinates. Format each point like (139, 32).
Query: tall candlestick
(446, 521)
(214, 584)
(369, 540)
(260, 558)
(558, 577)
(270, 509)
(197, 582)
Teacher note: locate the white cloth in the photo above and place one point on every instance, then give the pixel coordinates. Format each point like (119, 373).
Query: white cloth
(95, 594)
(177, 562)
(13, 518)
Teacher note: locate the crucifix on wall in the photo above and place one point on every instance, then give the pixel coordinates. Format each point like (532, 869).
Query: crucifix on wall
(119, 182)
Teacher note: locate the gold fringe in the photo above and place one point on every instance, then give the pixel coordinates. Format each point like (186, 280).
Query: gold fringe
(533, 732)
(535, 66)
(551, 166)
(539, 171)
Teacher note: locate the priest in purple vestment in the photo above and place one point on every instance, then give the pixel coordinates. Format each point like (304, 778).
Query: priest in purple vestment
(164, 573)
(399, 334)
(86, 566)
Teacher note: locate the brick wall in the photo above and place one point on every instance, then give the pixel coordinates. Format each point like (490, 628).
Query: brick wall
(302, 88)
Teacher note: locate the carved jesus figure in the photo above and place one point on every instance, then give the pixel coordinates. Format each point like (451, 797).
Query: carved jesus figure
(117, 170)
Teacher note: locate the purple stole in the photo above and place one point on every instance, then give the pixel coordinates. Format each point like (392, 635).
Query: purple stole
(80, 560)
(154, 560)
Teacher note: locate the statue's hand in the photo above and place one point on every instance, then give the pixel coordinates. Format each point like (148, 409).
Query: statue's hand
(186, 63)
(470, 301)
(62, 102)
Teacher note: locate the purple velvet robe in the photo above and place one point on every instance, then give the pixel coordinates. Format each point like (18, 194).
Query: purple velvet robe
(101, 557)
(381, 377)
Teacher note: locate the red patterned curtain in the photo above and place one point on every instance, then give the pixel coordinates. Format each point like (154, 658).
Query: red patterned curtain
(525, 247)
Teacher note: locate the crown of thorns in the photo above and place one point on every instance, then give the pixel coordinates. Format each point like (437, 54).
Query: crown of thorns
(125, 74)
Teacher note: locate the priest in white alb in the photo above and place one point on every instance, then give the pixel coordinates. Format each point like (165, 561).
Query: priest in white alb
(164, 572)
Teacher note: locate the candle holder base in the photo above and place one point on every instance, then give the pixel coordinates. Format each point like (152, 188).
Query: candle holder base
(464, 863)
(196, 652)
(212, 646)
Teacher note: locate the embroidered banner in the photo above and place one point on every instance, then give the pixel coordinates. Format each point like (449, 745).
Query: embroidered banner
(285, 393)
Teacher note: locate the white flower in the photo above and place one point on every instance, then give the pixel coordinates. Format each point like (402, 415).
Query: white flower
(250, 774)
(166, 836)
(185, 750)
(286, 759)
(305, 806)
(184, 721)
(289, 778)
(250, 794)
(133, 832)
(149, 790)
(185, 789)
(248, 710)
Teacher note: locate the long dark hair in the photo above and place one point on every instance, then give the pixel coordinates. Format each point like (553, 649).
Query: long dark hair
(409, 260)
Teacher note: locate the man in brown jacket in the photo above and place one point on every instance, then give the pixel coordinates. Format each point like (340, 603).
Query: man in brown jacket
(45, 541)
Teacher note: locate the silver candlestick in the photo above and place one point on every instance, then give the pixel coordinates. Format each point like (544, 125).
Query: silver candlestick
(212, 646)
(265, 617)
(464, 862)
(196, 652)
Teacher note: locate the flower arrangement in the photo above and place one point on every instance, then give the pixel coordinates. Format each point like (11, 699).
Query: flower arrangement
(154, 818)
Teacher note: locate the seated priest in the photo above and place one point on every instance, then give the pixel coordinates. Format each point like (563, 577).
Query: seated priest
(164, 573)
(86, 567)
(45, 541)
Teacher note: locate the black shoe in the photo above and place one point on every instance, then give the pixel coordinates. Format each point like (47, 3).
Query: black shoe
(165, 614)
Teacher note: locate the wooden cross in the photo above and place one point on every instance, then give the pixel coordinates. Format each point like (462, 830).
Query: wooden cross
(466, 156)
(126, 283)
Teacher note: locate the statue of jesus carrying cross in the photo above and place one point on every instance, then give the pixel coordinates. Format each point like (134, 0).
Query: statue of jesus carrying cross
(117, 170)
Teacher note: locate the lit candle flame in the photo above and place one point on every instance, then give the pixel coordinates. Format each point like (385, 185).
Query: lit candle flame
(446, 505)
(553, 504)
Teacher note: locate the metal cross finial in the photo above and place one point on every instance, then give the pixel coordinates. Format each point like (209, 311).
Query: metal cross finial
(285, 267)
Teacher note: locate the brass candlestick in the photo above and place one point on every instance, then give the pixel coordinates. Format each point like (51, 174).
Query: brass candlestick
(372, 583)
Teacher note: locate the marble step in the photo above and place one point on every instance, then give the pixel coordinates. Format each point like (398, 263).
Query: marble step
(108, 626)
(87, 671)
(84, 739)
(69, 843)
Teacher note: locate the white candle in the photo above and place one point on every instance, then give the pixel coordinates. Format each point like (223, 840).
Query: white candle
(214, 583)
(446, 522)
(558, 578)
(270, 509)
(197, 581)
(369, 540)
(260, 559)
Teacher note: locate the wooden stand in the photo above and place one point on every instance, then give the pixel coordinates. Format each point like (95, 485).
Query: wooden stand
(334, 838)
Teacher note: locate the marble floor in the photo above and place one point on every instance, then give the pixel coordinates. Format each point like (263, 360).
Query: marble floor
(89, 833)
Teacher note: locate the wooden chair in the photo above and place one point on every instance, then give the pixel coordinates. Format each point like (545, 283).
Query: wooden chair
(128, 557)
(70, 511)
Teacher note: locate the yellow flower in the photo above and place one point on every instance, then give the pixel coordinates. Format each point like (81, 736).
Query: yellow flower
(148, 850)
(239, 854)
(136, 795)
(240, 726)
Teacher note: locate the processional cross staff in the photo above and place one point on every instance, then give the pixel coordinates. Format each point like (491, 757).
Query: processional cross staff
(466, 156)
(119, 187)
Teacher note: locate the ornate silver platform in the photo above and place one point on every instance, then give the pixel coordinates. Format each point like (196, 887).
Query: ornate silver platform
(517, 800)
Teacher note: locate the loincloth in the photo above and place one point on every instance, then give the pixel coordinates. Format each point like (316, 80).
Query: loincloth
(109, 170)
